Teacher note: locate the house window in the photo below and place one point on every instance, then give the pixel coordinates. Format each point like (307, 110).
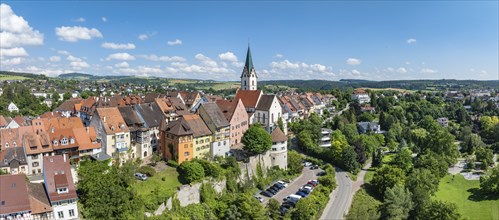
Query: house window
(64, 141)
(35, 164)
(186, 146)
(62, 190)
(14, 143)
(60, 214)
(186, 154)
(72, 140)
(6, 144)
(56, 142)
(34, 157)
(71, 213)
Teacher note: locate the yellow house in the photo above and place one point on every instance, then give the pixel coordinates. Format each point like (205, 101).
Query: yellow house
(202, 136)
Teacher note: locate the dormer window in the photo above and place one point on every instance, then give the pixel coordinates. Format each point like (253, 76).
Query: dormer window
(62, 190)
(56, 142)
(6, 144)
(52, 130)
(14, 143)
(72, 140)
(64, 141)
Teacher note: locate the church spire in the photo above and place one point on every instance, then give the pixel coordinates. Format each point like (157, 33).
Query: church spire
(249, 60)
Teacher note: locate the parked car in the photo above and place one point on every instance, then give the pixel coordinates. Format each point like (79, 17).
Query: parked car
(283, 210)
(307, 164)
(279, 186)
(270, 190)
(283, 183)
(322, 173)
(277, 189)
(314, 167)
(301, 193)
(259, 198)
(265, 193)
(141, 176)
(313, 183)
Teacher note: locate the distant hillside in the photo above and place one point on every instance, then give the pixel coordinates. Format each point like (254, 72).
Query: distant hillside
(74, 75)
(7, 75)
(443, 84)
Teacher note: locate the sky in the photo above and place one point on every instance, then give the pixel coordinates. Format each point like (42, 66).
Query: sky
(331, 40)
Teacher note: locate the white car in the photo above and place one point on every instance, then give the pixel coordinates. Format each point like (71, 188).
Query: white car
(307, 164)
(259, 198)
(283, 183)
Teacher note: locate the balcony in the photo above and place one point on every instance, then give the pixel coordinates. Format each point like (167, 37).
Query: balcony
(325, 144)
(122, 149)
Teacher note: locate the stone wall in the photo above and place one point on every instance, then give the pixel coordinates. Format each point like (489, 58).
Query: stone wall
(249, 169)
(189, 194)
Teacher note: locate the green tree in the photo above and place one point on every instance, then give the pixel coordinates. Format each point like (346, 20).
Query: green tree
(349, 160)
(280, 124)
(423, 184)
(439, 210)
(433, 162)
(387, 177)
(338, 143)
(256, 140)
(490, 183)
(191, 171)
(273, 208)
(364, 207)
(294, 162)
(484, 155)
(403, 159)
(397, 203)
(66, 96)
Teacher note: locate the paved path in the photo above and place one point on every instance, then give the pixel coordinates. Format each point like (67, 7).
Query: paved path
(307, 174)
(340, 199)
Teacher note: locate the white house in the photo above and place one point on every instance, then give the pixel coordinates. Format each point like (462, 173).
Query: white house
(60, 187)
(12, 107)
(268, 111)
(279, 151)
(361, 96)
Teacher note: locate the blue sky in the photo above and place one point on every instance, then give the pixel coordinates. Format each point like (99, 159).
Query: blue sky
(371, 40)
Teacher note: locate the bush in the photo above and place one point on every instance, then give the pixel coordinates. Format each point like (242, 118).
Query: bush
(191, 171)
(172, 163)
(147, 170)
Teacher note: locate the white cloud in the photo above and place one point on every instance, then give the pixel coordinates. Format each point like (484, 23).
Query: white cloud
(353, 61)
(297, 70)
(114, 46)
(122, 65)
(428, 70)
(228, 56)
(175, 42)
(120, 56)
(11, 62)
(278, 55)
(76, 33)
(154, 57)
(143, 37)
(206, 61)
(15, 31)
(284, 65)
(13, 52)
(401, 70)
(80, 19)
(55, 58)
(104, 19)
(73, 58)
(77, 65)
(411, 41)
(63, 52)
(142, 70)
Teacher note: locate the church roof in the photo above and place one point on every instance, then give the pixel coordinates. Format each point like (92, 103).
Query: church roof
(249, 60)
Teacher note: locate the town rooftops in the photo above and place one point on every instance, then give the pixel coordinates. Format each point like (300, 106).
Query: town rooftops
(132, 119)
(249, 97)
(179, 127)
(14, 194)
(278, 135)
(38, 199)
(68, 106)
(12, 154)
(265, 102)
(215, 114)
(86, 138)
(57, 174)
(150, 113)
(227, 107)
(197, 125)
(112, 121)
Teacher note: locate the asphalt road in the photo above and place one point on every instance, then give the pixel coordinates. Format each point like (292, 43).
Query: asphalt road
(340, 199)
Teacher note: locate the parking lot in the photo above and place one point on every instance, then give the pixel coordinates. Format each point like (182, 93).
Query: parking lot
(307, 174)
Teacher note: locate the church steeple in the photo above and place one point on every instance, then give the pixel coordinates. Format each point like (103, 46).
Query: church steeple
(248, 76)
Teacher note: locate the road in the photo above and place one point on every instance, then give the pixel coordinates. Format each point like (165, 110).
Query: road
(340, 199)
(307, 174)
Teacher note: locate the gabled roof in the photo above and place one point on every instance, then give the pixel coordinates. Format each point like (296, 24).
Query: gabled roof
(150, 113)
(58, 173)
(249, 97)
(215, 114)
(38, 199)
(197, 125)
(68, 106)
(86, 138)
(4, 120)
(278, 135)
(265, 102)
(112, 121)
(227, 107)
(12, 153)
(14, 193)
(179, 127)
(132, 119)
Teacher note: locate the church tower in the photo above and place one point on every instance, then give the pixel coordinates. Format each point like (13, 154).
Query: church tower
(248, 77)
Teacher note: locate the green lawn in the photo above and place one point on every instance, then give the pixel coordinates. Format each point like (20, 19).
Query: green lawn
(10, 77)
(154, 190)
(459, 191)
(369, 175)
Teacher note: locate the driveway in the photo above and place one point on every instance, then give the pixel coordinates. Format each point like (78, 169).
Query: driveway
(307, 174)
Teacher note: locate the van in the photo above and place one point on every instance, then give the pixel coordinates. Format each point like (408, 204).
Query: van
(294, 197)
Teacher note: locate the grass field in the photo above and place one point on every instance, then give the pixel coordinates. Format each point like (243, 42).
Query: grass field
(9, 77)
(471, 206)
(394, 89)
(155, 190)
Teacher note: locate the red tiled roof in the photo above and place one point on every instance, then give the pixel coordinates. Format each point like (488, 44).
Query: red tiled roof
(14, 194)
(56, 168)
(249, 97)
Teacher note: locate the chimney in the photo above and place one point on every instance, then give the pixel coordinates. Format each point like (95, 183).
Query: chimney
(64, 156)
